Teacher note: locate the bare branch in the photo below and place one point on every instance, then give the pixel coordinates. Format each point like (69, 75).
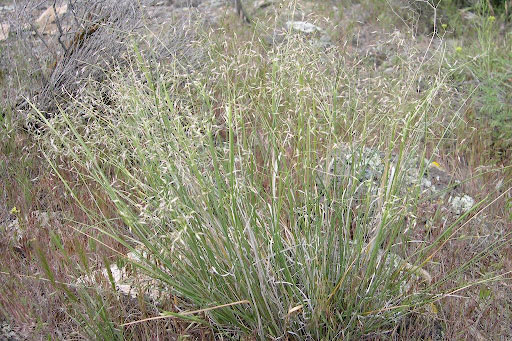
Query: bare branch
(59, 27)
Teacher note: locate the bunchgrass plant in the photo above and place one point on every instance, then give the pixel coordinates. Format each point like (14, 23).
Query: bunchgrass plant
(223, 182)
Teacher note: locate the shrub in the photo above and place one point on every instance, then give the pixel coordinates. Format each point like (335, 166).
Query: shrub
(48, 66)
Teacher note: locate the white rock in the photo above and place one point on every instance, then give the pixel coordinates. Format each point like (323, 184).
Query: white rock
(129, 283)
(426, 183)
(4, 31)
(302, 26)
(117, 274)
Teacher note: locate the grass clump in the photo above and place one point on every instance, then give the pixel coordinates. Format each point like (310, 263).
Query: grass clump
(222, 182)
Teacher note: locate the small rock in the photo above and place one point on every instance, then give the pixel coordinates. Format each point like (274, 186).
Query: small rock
(427, 184)
(4, 31)
(468, 15)
(7, 8)
(389, 70)
(130, 283)
(263, 4)
(157, 3)
(302, 26)
(46, 21)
